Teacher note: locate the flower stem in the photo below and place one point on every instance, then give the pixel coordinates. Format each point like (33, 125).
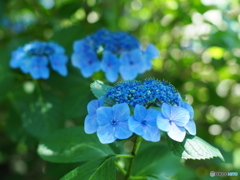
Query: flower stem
(124, 156)
(134, 152)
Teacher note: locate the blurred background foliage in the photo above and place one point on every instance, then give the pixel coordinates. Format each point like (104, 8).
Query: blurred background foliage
(199, 43)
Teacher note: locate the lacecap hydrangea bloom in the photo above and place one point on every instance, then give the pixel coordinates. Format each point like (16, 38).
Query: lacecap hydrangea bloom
(36, 57)
(114, 53)
(144, 108)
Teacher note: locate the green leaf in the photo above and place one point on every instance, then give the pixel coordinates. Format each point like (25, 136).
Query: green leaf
(194, 147)
(72, 145)
(101, 169)
(99, 88)
(42, 118)
(155, 159)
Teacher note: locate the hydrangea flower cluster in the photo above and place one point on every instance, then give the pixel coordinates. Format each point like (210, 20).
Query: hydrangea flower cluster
(34, 58)
(144, 108)
(114, 53)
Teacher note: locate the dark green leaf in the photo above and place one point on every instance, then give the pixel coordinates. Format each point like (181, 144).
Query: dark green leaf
(194, 147)
(99, 88)
(155, 159)
(41, 118)
(101, 169)
(72, 145)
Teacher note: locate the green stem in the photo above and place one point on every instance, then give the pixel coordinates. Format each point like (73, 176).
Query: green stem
(124, 156)
(134, 152)
(121, 169)
(138, 178)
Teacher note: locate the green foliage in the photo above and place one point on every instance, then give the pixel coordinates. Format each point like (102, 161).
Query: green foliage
(193, 147)
(99, 88)
(72, 145)
(101, 169)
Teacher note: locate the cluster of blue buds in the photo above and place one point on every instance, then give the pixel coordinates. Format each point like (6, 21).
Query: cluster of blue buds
(35, 57)
(114, 53)
(144, 108)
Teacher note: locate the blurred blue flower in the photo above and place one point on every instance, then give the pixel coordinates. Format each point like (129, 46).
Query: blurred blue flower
(113, 123)
(88, 62)
(150, 53)
(39, 67)
(110, 65)
(34, 58)
(173, 119)
(119, 52)
(190, 126)
(131, 64)
(143, 123)
(90, 123)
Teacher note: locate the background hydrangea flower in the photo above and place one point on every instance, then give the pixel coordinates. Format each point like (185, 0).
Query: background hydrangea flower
(34, 58)
(90, 123)
(110, 65)
(172, 119)
(143, 123)
(117, 48)
(113, 123)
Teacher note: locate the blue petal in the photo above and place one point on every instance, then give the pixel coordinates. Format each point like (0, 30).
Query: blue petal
(191, 127)
(110, 65)
(121, 112)
(176, 133)
(39, 67)
(122, 131)
(104, 115)
(163, 123)
(151, 51)
(140, 113)
(93, 106)
(58, 63)
(90, 123)
(106, 134)
(188, 107)
(75, 59)
(151, 133)
(135, 126)
(151, 116)
(179, 116)
(166, 110)
(128, 73)
(131, 64)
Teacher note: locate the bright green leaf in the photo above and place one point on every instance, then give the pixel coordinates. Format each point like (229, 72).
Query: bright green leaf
(194, 147)
(99, 88)
(101, 169)
(72, 145)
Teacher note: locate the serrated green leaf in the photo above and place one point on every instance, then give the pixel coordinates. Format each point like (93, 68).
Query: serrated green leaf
(72, 145)
(101, 169)
(194, 147)
(99, 88)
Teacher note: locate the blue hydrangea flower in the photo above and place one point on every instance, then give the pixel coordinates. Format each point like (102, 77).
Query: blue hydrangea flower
(34, 58)
(113, 123)
(150, 53)
(90, 123)
(131, 64)
(190, 126)
(143, 123)
(117, 52)
(150, 91)
(110, 65)
(173, 119)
